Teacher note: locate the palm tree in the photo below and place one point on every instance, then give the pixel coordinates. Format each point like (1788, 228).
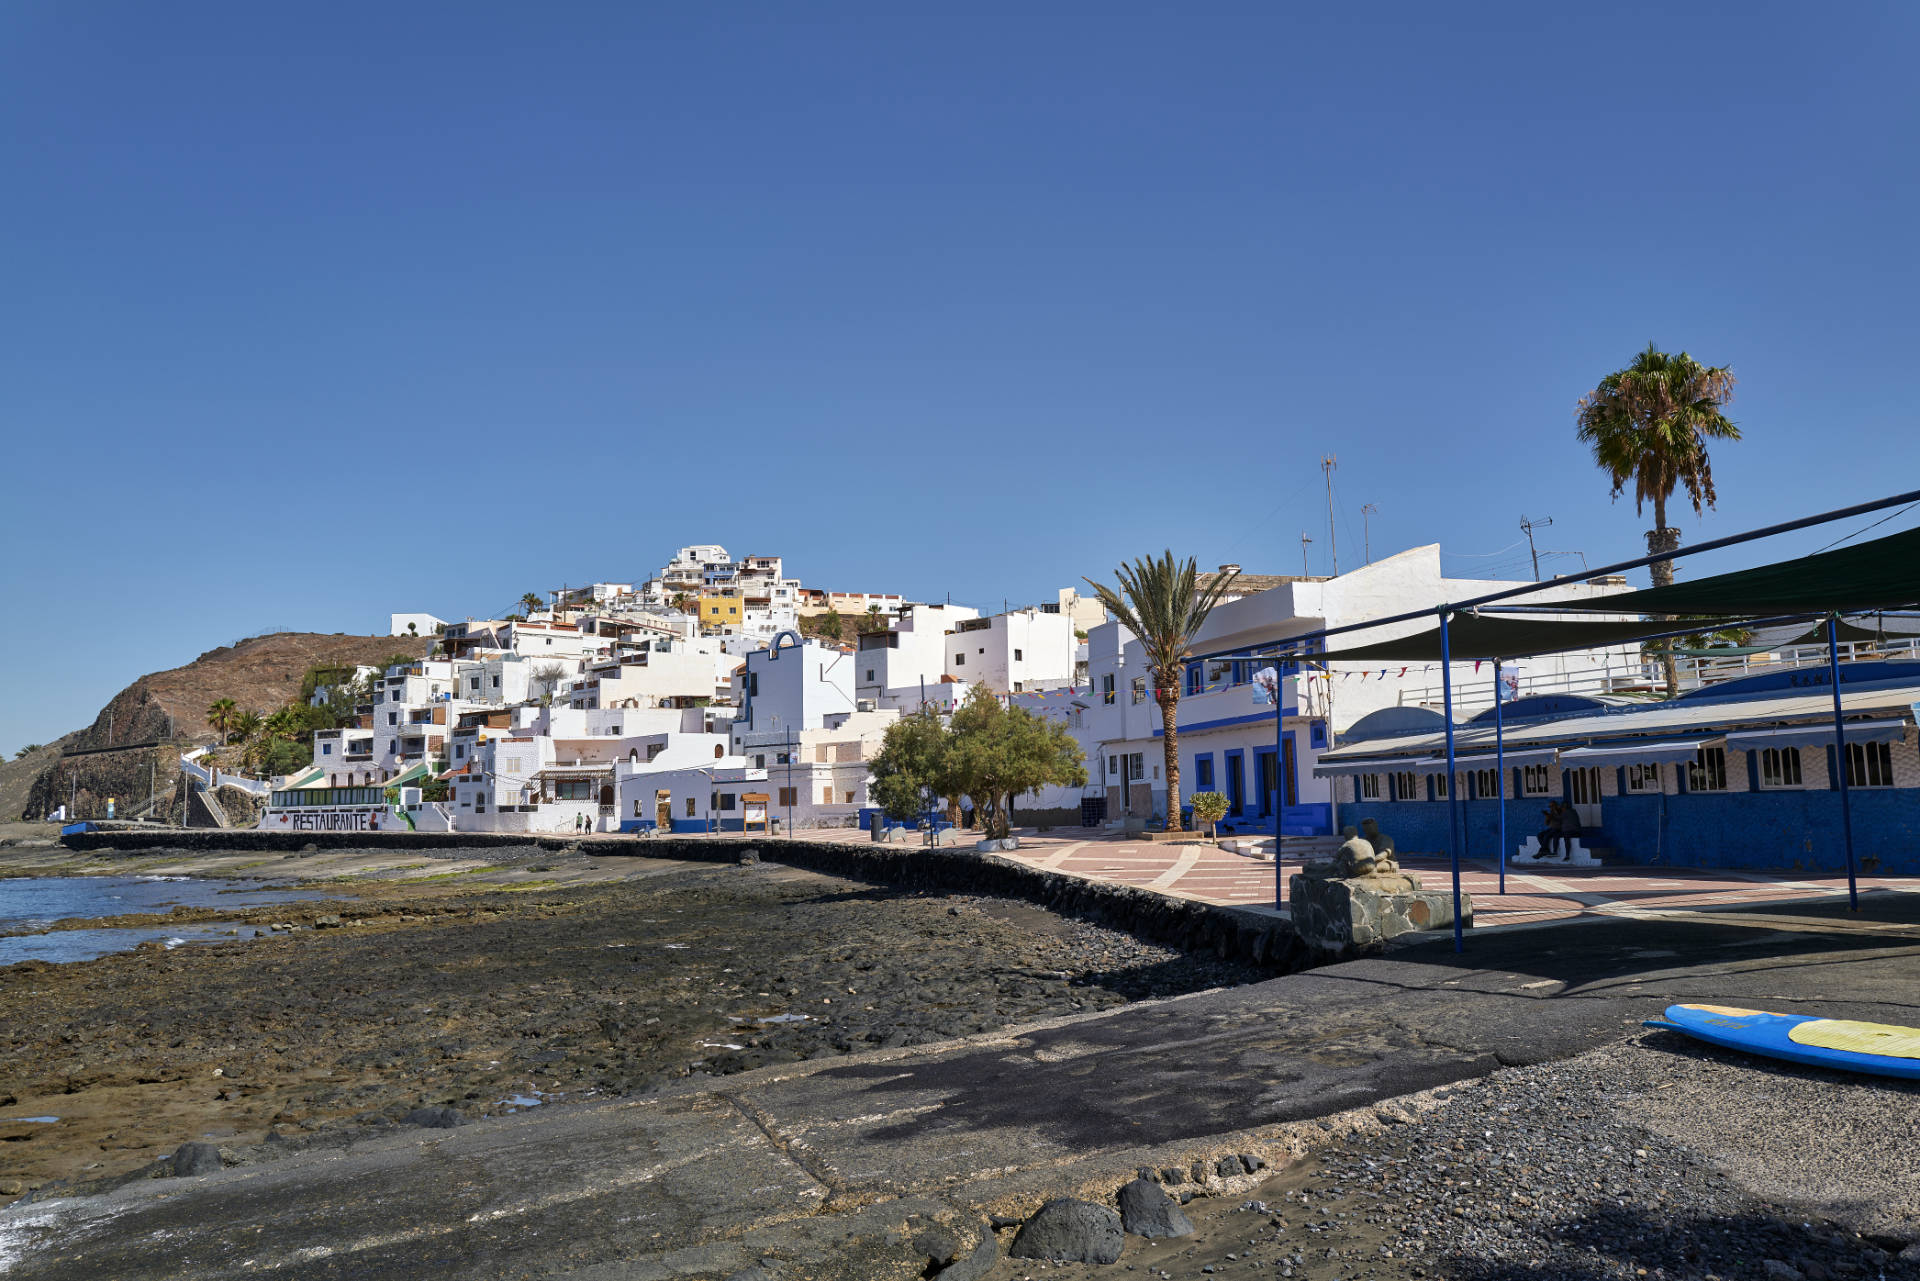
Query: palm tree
(220, 715)
(532, 601)
(246, 725)
(1164, 604)
(1649, 424)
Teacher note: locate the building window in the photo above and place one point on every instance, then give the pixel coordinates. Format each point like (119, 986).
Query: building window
(1708, 772)
(1643, 777)
(1203, 774)
(496, 682)
(690, 804)
(1485, 784)
(847, 798)
(479, 802)
(1113, 766)
(869, 675)
(1780, 767)
(1536, 780)
(1194, 682)
(788, 797)
(826, 796)
(1106, 689)
(636, 808)
(960, 659)
(573, 789)
(1406, 786)
(1583, 785)
(1018, 656)
(726, 801)
(760, 762)
(1869, 765)
(1440, 787)
(1138, 692)
(473, 682)
(326, 749)
(393, 718)
(1369, 787)
(1134, 770)
(1019, 686)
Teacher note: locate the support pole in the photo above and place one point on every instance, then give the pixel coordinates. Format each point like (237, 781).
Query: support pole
(1500, 772)
(1840, 757)
(1453, 797)
(1279, 761)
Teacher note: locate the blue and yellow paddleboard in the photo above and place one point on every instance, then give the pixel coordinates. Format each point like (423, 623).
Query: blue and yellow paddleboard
(1884, 1049)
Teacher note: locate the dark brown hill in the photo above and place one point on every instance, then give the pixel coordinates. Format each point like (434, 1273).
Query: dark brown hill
(259, 674)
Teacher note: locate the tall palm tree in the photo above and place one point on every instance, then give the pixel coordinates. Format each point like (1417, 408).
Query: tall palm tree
(246, 725)
(220, 714)
(1649, 424)
(532, 601)
(1164, 604)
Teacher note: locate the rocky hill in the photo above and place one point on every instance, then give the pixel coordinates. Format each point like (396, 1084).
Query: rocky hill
(259, 674)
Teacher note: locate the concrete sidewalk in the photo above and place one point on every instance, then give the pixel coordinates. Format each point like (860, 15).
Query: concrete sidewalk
(821, 1166)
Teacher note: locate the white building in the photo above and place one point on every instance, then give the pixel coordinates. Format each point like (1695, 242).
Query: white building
(414, 624)
(907, 662)
(1230, 741)
(1031, 648)
(656, 673)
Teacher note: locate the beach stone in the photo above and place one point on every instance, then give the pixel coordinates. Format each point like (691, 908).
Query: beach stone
(196, 1158)
(11, 1187)
(975, 1264)
(1228, 1167)
(328, 922)
(938, 1242)
(434, 1118)
(1067, 1230)
(1146, 1211)
(1775, 1270)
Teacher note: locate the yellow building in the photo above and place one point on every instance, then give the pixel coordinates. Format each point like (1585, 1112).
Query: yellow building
(720, 611)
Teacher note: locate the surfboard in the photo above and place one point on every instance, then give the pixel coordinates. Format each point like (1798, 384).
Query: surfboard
(1883, 1049)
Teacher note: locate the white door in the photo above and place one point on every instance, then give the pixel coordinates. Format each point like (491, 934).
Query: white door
(1583, 785)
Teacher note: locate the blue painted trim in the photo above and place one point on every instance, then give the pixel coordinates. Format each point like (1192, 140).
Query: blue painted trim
(1257, 718)
(1236, 781)
(1203, 784)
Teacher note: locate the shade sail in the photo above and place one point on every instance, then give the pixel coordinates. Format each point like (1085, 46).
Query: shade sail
(1882, 574)
(1812, 735)
(1817, 635)
(1635, 753)
(1486, 636)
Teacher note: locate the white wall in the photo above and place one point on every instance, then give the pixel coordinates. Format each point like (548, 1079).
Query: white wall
(423, 624)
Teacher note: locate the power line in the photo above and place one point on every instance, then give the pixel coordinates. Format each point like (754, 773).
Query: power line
(1864, 528)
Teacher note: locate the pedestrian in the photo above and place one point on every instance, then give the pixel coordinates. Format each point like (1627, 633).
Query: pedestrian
(1569, 831)
(1549, 829)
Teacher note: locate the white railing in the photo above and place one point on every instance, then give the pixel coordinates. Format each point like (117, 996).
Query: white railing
(1696, 672)
(218, 778)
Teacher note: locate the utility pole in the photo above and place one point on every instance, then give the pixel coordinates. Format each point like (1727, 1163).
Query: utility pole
(1304, 540)
(1529, 526)
(1327, 464)
(1366, 530)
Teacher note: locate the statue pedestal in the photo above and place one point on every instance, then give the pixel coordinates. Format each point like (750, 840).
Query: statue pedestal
(1345, 915)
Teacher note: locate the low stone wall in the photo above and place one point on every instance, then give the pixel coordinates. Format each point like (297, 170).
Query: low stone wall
(1257, 939)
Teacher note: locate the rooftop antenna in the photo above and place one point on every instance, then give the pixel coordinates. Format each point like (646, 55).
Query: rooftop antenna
(1327, 464)
(1366, 531)
(1304, 540)
(1529, 526)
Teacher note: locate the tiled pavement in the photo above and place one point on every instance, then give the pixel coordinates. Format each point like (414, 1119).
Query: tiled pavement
(1534, 897)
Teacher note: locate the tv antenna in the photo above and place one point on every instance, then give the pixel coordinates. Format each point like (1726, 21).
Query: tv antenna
(1528, 526)
(1366, 532)
(1327, 464)
(1304, 541)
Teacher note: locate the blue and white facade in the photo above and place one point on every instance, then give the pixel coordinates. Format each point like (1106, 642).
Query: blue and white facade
(1233, 739)
(1736, 775)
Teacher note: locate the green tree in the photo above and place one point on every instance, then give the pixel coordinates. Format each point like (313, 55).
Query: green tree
(915, 764)
(246, 725)
(220, 715)
(1164, 604)
(532, 601)
(28, 750)
(1209, 808)
(871, 621)
(998, 752)
(1649, 425)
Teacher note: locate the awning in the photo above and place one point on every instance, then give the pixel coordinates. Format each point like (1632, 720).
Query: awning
(1882, 574)
(1372, 765)
(1810, 735)
(1487, 636)
(1635, 753)
(1489, 760)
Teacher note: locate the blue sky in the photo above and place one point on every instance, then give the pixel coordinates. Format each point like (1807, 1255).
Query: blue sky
(313, 312)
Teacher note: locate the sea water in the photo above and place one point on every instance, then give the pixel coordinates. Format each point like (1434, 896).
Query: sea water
(29, 904)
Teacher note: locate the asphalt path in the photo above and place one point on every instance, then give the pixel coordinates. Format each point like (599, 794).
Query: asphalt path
(827, 1166)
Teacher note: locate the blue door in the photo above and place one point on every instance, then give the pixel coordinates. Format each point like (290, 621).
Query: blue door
(1236, 782)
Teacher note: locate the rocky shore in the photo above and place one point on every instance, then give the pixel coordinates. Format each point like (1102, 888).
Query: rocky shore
(439, 990)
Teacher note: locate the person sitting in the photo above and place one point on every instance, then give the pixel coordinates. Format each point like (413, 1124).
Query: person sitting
(1549, 830)
(1569, 827)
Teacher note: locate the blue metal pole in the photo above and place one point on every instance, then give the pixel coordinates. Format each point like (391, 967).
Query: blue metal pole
(1453, 797)
(1500, 772)
(1279, 876)
(1840, 756)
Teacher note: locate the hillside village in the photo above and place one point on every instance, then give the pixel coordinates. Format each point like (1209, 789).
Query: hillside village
(723, 694)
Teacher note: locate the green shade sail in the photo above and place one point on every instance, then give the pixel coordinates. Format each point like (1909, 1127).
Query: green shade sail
(1483, 636)
(1882, 574)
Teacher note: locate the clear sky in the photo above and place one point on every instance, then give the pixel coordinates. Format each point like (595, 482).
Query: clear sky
(311, 312)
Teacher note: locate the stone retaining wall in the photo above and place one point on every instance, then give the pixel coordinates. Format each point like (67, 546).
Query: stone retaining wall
(1255, 938)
